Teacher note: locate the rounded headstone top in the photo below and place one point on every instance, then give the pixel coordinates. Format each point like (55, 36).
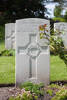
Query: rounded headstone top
(32, 20)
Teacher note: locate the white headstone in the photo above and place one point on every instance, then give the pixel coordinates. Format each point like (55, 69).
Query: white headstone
(10, 36)
(62, 27)
(32, 53)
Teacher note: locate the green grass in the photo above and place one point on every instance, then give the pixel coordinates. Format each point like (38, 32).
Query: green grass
(7, 70)
(58, 70)
(7, 67)
(59, 19)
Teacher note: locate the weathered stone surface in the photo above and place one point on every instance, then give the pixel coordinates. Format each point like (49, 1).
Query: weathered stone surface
(62, 27)
(32, 53)
(10, 36)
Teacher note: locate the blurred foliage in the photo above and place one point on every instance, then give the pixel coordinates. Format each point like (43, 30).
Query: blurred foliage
(30, 91)
(34, 88)
(50, 92)
(54, 86)
(18, 9)
(57, 48)
(65, 16)
(7, 53)
(58, 10)
(2, 32)
(55, 42)
(23, 96)
(60, 95)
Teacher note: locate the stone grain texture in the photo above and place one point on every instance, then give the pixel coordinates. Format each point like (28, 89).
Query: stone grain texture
(32, 53)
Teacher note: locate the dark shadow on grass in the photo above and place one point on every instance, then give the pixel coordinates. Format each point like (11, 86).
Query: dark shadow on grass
(7, 85)
(59, 82)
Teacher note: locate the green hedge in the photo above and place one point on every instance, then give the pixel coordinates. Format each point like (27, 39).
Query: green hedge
(2, 32)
